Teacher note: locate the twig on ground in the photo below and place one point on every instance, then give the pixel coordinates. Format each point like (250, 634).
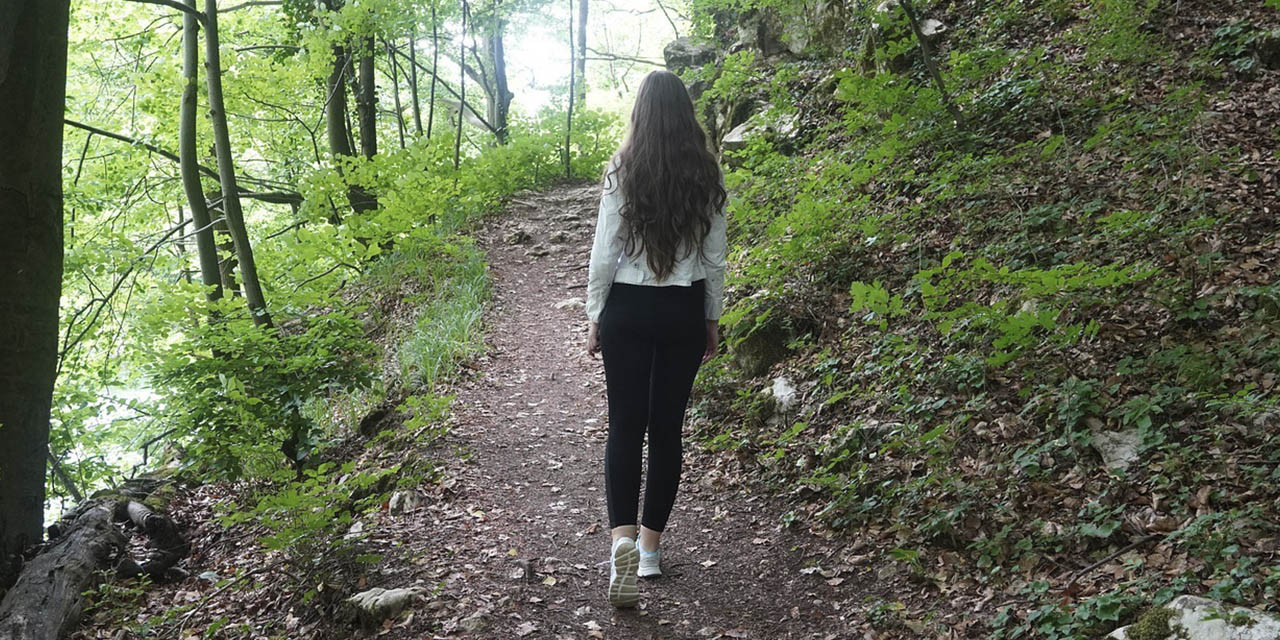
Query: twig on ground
(248, 574)
(1112, 556)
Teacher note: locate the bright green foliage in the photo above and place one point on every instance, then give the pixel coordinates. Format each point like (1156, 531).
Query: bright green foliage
(307, 518)
(147, 361)
(968, 307)
(235, 392)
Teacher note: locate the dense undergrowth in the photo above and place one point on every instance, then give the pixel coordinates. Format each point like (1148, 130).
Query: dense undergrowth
(309, 427)
(972, 310)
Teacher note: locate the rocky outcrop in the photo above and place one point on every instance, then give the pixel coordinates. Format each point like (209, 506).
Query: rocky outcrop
(1119, 449)
(1196, 618)
(814, 25)
(683, 53)
(781, 129)
(370, 608)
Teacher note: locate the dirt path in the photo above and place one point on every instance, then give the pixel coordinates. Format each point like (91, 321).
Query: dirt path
(519, 548)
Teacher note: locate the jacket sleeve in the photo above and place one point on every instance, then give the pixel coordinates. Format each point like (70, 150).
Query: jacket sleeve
(606, 251)
(713, 261)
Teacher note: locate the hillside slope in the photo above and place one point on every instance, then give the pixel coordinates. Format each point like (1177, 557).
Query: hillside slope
(1034, 349)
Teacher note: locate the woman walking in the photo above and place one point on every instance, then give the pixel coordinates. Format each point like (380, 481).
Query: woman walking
(654, 296)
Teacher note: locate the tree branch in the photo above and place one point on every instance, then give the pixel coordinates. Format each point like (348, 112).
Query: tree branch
(268, 47)
(669, 20)
(424, 69)
(284, 197)
(605, 55)
(252, 3)
(174, 4)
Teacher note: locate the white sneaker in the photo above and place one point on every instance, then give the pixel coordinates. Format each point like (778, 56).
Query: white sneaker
(650, 562)
(624, 558)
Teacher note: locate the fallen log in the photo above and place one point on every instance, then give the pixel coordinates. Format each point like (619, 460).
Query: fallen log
(47, 601)
(83, 548)
(167, 546)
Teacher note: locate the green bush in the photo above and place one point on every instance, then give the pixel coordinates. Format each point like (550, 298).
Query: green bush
(237, 395)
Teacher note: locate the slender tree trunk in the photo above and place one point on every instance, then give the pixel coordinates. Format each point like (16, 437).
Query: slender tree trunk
(395, 83)
(367, 99)
(462, 88)
(226, 255)
(335, 119)
(568, 125)
(207, 252)
(413, 78)
(501, 93)
(336, 112)
(927, 52)
(338, 129)
(435, 66)
(33, 65)
(582, 53)
(227, 172)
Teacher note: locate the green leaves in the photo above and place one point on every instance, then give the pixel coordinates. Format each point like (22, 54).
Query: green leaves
(235, 392)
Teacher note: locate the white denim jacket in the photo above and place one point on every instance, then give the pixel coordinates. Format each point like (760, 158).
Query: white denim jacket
(610, 264)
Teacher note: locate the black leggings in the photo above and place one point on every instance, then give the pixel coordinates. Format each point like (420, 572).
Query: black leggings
(652, 340)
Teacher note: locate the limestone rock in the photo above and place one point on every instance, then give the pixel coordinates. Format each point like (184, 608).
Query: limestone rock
(402, 501)
(784, 393)
(932, 29)
(475, 623)
(683, 53)
(519, 236)
(758, 352)
(780, 128)
(560, 237)
(1266, 47)
(1119, 449)
(571, 303)
(371, 607)
(1196, 618)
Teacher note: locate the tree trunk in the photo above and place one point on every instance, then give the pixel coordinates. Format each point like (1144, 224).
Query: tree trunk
(336, 109)
(33, 61)
(395, 83)
(501, 97)
(435, 66)
(462, 89)
(413, 78)
(226, 171)
(582, 53)
(568, 125)
(207, 252)
(926, 51)
(48, 599)
(226, 255)
(367, 99)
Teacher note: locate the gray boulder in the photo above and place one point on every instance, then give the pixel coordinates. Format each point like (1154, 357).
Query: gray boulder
(1196, 618)
(1119, 449)
(369, 608)
(779, 128)
(683, 53)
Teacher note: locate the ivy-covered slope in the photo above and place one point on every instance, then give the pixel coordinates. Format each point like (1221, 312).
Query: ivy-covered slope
(1034, 348)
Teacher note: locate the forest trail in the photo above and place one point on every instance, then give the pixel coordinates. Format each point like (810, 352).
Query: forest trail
(520, 547)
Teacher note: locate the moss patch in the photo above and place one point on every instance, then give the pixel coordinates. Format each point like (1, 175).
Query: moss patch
(1153, 624)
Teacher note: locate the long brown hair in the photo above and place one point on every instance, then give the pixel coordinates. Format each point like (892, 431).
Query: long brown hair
(670, 182)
